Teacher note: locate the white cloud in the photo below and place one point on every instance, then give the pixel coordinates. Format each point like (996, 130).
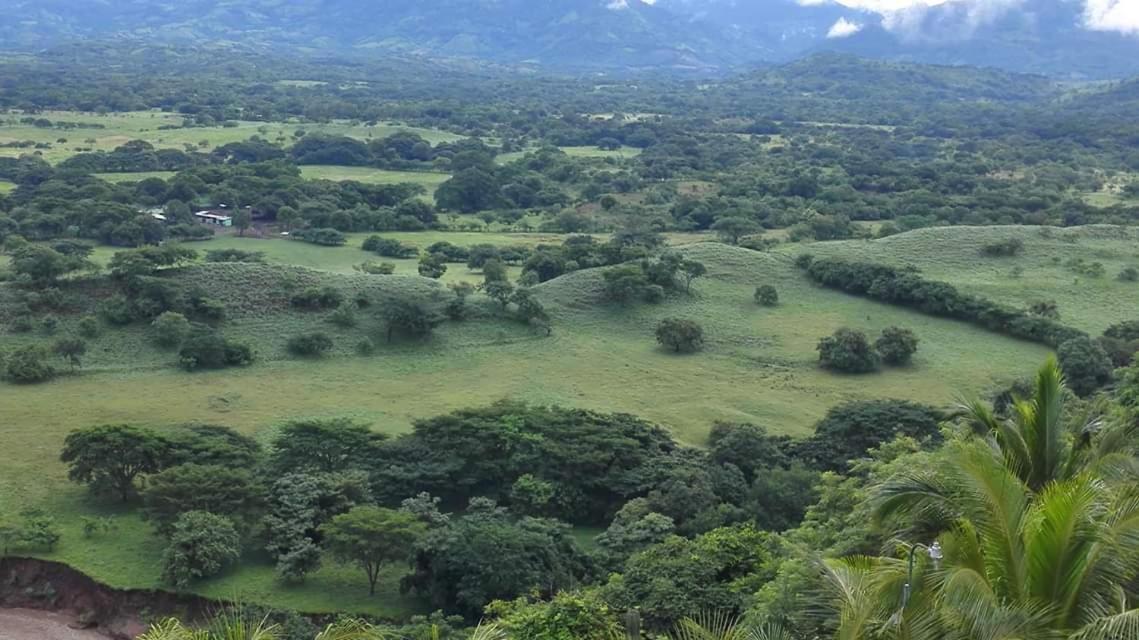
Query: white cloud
(1112, 15)
(843, 29)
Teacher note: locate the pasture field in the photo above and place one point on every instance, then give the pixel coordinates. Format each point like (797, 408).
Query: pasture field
(759, 365)
(576, 152)
(429, 180)
(137, 176)
(119, 128)
(6, 187)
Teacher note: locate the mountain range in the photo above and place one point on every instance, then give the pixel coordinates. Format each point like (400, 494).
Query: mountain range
(1040, 36)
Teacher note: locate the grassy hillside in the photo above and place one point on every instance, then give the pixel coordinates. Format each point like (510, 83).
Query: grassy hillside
(1040, 272)
(759, 365)
(118, 128)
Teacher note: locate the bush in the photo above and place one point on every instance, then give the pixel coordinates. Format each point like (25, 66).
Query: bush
(1129, 274)
(170, 329)
(389, 248)
(896, 345)
(432, 266)
(88, 327)
(343, 317)
(680, 335)
(310, 344)
(117, 310)
(201, 545)
(366, 347)
(314, 298)
(375, 268)
(28, 365)
(766, 295)
(325, 237)
(209, 350)
(848, 351)
(234, 255)
(1003, 248)
(1086, 365)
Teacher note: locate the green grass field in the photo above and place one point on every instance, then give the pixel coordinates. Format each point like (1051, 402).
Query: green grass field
(759, 365)
(123, 127)
(576, 152)
(429, 180)
(135, 177)
(6, 187)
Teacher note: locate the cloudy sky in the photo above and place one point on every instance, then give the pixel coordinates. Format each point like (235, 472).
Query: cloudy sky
(1102, 15)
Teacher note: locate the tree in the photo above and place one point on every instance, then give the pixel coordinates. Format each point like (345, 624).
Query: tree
(748, 447)
(201, 545)
(170, 329)
(43, 265)
(499, 290)
(896, 346)
(72, 350)
(1037, 540)
(1086, 365)
(731, 229)
(432, 266)
(210, 350)
(325, 446)
(568, 615)
(411, 318)
(109, 458)
(680, 335)
(288, 217)
(635, 527)
(766, 295)
(851, 429)
(242, 220)
(372, 537)
(691, 270)
(213, 489)
(847, 351)
(493, 270)
(625, 282)
(299, 503)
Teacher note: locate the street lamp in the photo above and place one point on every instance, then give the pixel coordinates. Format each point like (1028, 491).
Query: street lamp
(934, 551)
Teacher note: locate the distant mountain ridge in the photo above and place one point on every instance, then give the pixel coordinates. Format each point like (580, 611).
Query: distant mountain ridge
(1044, 36)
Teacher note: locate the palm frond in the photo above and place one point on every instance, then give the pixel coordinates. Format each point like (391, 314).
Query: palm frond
(171, 629)
(1122, 626)
(352, 630)
(488, 631)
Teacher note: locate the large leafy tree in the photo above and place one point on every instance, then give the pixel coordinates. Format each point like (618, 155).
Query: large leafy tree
(371, 537)
(109, 458)
(1040, 533)
(322, 446)
(224, 491)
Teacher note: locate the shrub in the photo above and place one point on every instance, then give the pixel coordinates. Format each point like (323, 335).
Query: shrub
(375, 268)
(896, 345)
(1129, 274)
(389, 248)
(804, 260)
(680, 335)
(234, 255)
(432, 266)
(28, 365)
(201, 545)
(314, 298)
(343, 317)
(49, 324)
(170, 329)
(70, 349)
(326, 237)
(847, 351)
(117, 310)
(88, 327)
(209, 350)
(1086, 365)
(1003, 248)
(766, 295)
(365, 347)
(310, 344)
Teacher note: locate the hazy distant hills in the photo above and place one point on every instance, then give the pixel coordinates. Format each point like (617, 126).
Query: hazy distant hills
(706, 35)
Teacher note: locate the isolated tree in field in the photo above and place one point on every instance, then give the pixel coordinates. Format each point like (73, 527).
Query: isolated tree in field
(766, 295)
(896, 345)
(170, 329)
(43, 265)
(847, 351)
(109, 458)
(691, 270)
(1086, 365)
(242, 220)
(72, 350)
(732, 229)
(201, 545)
(680, 335)
(493, 270)
(372, 537)
(432, 266)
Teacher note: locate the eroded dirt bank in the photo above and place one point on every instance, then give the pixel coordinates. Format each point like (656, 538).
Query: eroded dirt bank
(30, 624)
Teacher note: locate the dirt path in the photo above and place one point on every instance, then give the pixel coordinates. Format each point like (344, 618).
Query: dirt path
(26, 624)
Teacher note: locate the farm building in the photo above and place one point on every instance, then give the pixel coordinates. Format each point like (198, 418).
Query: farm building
(210, 217)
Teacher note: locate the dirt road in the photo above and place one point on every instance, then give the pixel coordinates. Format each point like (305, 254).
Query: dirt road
(26, 624)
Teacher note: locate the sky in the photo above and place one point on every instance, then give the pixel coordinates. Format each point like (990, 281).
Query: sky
(1101, 15)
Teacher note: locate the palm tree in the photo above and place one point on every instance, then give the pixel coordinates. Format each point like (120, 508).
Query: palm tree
(723, 625)
(1038, 540)
(231, 626)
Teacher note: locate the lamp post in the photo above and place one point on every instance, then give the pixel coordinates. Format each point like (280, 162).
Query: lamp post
(934, 551)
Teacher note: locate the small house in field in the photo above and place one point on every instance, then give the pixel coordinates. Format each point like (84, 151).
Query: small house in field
(214, 218)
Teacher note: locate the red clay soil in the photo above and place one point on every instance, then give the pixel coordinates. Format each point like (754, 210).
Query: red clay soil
(44, 586)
